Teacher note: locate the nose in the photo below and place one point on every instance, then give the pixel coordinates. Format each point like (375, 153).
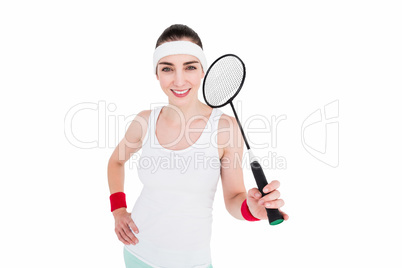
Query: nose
(179, 78)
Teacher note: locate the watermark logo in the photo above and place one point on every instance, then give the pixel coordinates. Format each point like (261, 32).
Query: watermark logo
(110, 126)
(202, 161)
(320, 134)
(91, 125)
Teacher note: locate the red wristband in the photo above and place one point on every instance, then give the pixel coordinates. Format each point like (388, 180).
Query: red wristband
(245, 211)
(117, 200)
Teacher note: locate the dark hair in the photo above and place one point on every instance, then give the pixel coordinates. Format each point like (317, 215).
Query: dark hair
(177, 32)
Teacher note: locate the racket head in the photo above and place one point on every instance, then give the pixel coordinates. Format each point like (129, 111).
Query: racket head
(223, 80)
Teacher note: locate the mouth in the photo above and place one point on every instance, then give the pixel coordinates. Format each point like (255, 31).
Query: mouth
(181, 93)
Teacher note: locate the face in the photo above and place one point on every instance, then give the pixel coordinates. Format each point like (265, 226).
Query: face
(180, 77)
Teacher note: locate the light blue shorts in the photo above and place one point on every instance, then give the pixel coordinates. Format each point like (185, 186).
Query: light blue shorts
(133, 262)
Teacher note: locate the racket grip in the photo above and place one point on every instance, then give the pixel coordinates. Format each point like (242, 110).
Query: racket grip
(274, 215)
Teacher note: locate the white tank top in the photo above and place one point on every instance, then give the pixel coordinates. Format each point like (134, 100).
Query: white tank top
(174, 210)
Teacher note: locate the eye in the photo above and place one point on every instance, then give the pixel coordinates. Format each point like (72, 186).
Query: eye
(166, 69)
(191, 67)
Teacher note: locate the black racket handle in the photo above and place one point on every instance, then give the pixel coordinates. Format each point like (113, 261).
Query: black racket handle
(274, 216)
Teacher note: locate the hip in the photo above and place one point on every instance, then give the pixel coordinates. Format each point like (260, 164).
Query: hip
(135, 258)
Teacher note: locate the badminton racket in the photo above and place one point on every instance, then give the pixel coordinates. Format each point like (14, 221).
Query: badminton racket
(223, 81)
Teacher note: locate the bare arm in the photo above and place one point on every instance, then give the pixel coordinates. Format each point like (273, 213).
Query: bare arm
(234, 191)
(130, 144)
(233, 187)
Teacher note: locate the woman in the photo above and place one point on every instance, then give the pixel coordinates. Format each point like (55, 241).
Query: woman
(170, 224)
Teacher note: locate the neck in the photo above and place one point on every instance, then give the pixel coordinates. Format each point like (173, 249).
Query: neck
(176, 113)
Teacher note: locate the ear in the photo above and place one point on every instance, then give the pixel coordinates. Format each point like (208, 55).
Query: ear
(157, 76)
(203, 74)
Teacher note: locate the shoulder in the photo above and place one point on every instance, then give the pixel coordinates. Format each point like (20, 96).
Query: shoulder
(226, 121)
(144, 114)
(138, 126)
(142, 117)
(229, 134)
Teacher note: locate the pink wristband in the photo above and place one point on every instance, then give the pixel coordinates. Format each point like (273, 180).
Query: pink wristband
(245, 211)
(117, 200)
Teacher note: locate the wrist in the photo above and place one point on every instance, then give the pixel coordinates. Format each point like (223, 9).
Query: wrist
(118, 211)
(246, 213)
(117, 201)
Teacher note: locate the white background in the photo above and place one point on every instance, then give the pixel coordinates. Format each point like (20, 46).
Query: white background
(300, 56)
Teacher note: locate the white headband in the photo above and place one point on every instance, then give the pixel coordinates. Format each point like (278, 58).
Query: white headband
(179, 47)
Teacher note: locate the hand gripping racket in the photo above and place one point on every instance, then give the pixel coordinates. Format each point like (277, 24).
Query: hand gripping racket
(222, 83)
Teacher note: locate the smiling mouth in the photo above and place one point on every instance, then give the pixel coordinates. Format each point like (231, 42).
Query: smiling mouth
(181, 93)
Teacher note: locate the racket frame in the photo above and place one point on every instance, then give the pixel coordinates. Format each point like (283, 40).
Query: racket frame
(238, 90)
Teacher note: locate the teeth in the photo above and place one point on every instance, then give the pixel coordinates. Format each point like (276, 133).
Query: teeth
(180, 92)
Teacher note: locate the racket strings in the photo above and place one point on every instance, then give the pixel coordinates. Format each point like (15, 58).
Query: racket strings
(223, 80)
